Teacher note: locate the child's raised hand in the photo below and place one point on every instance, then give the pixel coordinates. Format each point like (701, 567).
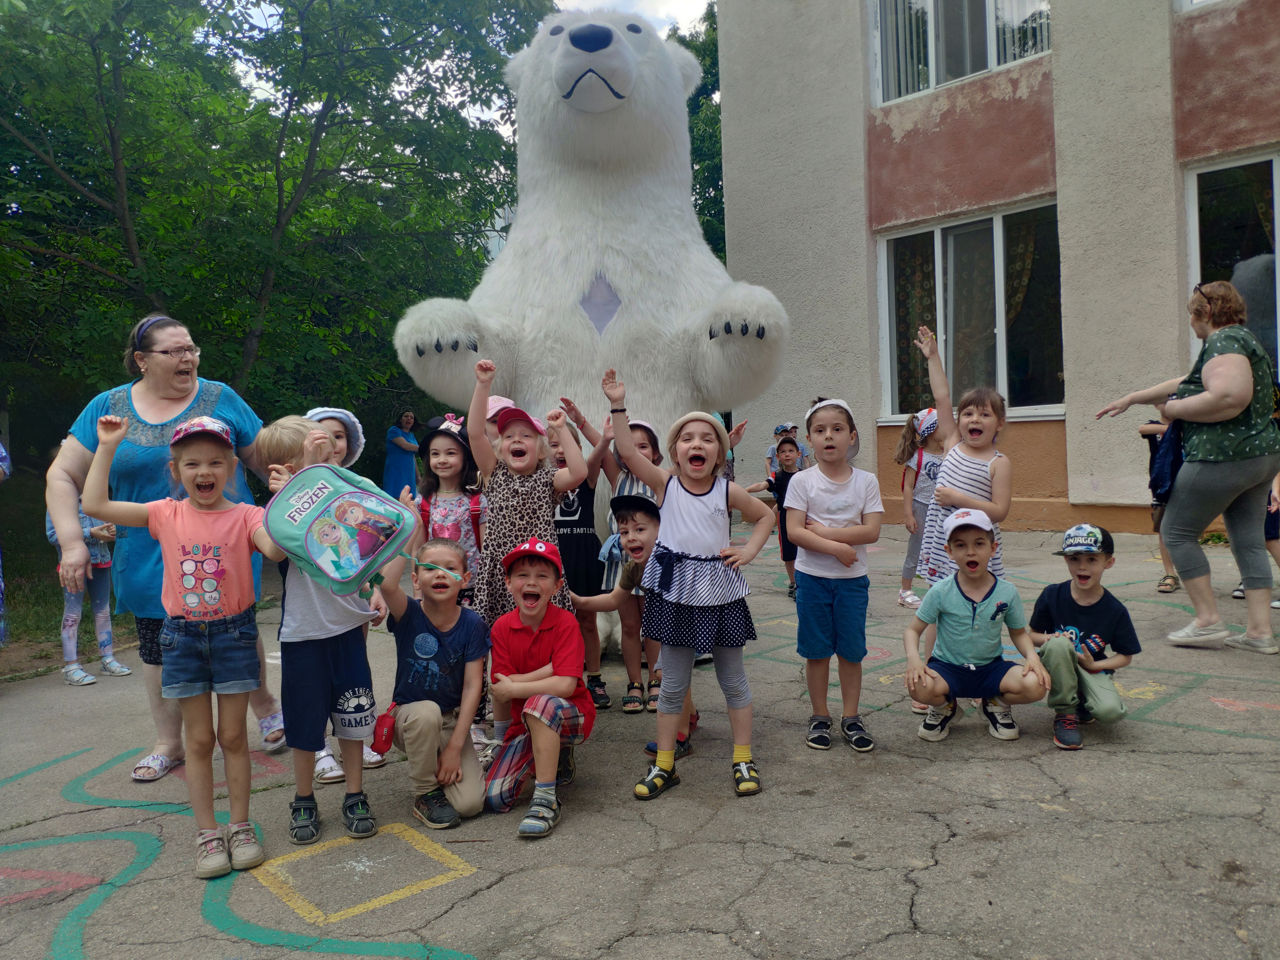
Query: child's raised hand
(486, 370)
(556, 419)
(607, 432)
(614, 388)
(926, 342)
(111, 429)
(317, 448)
(406, 498)
(572, 412)
(278, 475)
(736, 434)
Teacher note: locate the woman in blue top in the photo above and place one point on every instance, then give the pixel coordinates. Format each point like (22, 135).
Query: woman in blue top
(162, 357)
(400, 471)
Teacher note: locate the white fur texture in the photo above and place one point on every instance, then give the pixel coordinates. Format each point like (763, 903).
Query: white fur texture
(604, 192)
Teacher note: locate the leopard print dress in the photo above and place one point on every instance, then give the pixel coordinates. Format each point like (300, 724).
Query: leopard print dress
(520, 507)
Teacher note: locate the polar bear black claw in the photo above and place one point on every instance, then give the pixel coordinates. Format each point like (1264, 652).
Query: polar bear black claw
(419, 350)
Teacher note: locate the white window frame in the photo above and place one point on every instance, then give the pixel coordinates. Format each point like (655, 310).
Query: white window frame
(1186, 6)
(877, 74)
(1191, 196)
(888, 360)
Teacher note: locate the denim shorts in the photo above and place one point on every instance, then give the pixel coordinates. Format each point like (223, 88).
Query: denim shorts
(972, 679)
(832, 617)
(203, 656)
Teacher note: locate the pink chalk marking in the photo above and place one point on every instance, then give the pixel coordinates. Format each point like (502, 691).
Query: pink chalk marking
(1240, 706)
(261, 765)
(875, 655)
(62, 883)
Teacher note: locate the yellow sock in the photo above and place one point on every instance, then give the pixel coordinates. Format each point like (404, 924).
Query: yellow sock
(666, 760)
(741, 752)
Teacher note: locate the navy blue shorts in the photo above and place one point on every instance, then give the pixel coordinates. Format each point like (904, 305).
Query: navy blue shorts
(324, 681)
(973, 679)
(785, 546)
(832, 617)
(1271, 526)
(203, 656)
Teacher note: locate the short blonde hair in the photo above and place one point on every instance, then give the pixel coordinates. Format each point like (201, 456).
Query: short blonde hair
(280, 441)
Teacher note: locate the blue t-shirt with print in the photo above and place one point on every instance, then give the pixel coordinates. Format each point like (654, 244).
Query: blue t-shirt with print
(1091, 628)
(140, 473)
(431, 663)
(970, 631)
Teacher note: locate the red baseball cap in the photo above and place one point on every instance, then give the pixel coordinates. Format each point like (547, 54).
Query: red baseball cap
(509, 415)
(533, 547)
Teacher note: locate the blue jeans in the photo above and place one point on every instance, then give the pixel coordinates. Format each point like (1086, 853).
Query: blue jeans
(202, 656)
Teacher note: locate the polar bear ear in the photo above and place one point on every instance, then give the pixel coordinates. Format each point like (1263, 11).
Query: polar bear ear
(515, 68)
(688, 65)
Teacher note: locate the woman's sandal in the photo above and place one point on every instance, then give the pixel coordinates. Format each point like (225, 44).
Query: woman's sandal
(633, 702)
(152, 767)
(541, 819)
(304, 821)
(655, 782)
(1168, 583)
(273, 723)
(746, 778)
(651, 704)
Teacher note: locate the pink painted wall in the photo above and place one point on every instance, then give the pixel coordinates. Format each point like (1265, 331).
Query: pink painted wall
(979, 142)
(1226, 78)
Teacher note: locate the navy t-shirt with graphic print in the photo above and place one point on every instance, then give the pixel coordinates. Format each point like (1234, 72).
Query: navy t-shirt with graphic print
(431, 663)
(1090, 628)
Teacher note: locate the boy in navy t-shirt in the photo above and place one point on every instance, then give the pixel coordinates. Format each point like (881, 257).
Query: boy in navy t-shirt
(440, 652)
(1072, 625)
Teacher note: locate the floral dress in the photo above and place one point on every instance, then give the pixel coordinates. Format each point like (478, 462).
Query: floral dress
(520, 507)
(448, 517)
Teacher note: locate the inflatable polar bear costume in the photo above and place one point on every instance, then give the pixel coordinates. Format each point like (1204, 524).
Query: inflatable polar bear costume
(605, 263)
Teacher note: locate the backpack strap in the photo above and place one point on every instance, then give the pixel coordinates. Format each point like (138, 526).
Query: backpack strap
(902, 484)
(475, 518)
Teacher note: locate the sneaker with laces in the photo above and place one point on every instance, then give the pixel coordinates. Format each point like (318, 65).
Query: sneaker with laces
(907, 598)
(111, 667)
(819, 735)
(1066, 731)
(855, 734)
(599, 695)
(937, 722)
(211, 855)
(1194, 635)
(1000, 722)
(77, 676)
(243, 847)
(1252, 644)
(435, 810)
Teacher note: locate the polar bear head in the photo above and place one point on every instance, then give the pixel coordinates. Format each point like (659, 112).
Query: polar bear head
(602, 87)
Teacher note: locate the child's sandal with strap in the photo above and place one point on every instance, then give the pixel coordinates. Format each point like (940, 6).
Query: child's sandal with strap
(304, 821)
(633, 702)
(656, 781)
(746, 778)
(651, 704)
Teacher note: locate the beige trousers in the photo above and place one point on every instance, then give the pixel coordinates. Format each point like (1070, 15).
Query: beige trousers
(422, 732)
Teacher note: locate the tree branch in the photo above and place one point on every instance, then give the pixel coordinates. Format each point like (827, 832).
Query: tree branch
(48, 160)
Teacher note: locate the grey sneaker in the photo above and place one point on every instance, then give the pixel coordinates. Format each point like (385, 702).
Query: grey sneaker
(1193, 635)
(211, 855)
(1253, 644)
(243, 846)
(1000, 722)
(937, 722)
(435, 810)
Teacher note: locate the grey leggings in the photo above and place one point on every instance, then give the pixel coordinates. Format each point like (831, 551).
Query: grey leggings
(677, 669)
(1237, 490)
(919, 511)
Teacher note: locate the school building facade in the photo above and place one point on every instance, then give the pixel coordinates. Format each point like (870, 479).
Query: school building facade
(1040, 181)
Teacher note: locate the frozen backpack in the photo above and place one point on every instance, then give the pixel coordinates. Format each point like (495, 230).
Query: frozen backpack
(337, 526)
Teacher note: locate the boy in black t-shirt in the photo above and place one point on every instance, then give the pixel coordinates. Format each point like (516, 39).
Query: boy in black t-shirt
(788, 455)
(1072, 624)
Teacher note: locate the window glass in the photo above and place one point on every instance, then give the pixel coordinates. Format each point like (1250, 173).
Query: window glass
(969, 285)
(904, 47)
(912, 300)
(962, 38)
(1033, 307)
(1022, 29)
(1238, 240)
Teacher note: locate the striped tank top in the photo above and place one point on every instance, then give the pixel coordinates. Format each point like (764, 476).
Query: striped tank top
(970, 476)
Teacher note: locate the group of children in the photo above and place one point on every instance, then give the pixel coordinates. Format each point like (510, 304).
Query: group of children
(494, 520)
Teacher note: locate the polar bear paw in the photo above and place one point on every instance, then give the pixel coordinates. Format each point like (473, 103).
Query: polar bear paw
(438, 342)
(746, 332)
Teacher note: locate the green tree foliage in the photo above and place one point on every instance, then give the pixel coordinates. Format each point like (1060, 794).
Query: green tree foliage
(285, 177)
(704, 129)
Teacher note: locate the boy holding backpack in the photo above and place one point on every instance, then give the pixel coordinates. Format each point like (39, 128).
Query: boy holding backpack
(325, 674)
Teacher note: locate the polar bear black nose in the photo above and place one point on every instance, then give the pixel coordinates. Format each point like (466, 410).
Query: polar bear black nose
(590, 37)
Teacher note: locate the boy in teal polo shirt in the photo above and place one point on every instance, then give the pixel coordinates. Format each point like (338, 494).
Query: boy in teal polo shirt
(971, 609)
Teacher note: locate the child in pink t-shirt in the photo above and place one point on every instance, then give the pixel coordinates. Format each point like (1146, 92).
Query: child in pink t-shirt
(209, 641)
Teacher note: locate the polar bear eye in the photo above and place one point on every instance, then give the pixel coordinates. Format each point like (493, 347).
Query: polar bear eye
(633, 27)
(556, 31)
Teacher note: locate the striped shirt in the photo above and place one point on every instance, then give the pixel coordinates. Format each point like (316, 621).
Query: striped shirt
(970, 476)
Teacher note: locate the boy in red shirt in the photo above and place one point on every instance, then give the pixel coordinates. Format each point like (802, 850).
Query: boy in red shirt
(537, 666)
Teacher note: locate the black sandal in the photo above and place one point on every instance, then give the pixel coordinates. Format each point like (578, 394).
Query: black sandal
(357, 817)
(655, 782)
(746, 778)
(633, 702)
(304, 821)
(651, 704)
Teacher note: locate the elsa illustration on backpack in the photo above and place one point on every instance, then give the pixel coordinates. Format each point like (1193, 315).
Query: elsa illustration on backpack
(336, 551)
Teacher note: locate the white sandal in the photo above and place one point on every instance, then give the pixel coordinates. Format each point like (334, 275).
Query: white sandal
(328, 769)
(373, 759)
(76, 676)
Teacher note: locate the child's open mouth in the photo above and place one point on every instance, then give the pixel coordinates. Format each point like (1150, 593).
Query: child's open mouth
(204, 487)
(975, 432)
(697, 461)
(530, 598)
(518, 453)
(636, 550)
(972, 565)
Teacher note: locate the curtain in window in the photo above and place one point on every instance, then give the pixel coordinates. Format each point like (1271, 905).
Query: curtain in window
(913, 304)
(1033, 308)
(904, 47)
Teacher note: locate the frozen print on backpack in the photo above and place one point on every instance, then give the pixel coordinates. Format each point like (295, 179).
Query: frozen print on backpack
(347, 532)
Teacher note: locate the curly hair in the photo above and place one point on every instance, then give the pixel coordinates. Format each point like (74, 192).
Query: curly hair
(1218, 302)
